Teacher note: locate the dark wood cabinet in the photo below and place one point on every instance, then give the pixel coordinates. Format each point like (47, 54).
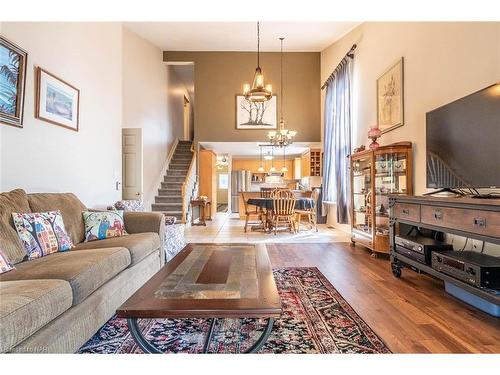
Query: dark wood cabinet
(463, 216)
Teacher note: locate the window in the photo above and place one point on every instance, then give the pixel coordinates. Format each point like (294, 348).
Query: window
(223, 181)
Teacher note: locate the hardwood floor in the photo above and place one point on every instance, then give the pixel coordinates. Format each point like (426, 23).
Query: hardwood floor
(412, 314)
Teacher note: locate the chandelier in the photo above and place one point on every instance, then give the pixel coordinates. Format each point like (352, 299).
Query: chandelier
(259, 92)
(283, 137)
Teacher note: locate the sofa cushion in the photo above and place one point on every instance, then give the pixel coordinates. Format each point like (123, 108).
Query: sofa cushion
(71, 209)
(28, 305)
(100, 225)
(13, 201)
(5, 264)
(85, 271)
(140, 245)
(42, 233)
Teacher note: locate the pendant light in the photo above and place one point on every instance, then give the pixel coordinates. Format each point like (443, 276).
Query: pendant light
(259, 92)
(272, 169)
(284, 168)
(261, 168)
(283, 137)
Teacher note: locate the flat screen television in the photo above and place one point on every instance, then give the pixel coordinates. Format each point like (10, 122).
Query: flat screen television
(463, 142)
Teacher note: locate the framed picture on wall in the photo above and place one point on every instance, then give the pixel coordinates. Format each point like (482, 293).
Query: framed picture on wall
(57, 101)
(256, 115)
(390, 99)
(12, 82)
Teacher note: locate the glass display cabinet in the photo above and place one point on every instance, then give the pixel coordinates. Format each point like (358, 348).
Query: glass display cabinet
(374, 175)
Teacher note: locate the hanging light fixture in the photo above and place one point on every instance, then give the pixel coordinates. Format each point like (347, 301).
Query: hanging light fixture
(283, 137)
(272, 169)
(259, 92)
(261, 168)
(221, 162)
(284, 168)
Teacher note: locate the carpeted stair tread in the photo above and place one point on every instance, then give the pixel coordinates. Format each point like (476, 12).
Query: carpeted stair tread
(169, 198)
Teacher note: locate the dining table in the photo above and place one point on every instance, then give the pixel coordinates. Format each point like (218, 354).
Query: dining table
(301, 203)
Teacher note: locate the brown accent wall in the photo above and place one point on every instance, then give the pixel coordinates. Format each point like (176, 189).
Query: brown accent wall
(219, 77)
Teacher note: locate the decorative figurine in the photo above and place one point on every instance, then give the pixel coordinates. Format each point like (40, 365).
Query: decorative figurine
(359, 149)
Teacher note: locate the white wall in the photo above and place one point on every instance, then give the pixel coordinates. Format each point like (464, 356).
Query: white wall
(42, 157)
(123, 82)
(149, 102)
(443, 62)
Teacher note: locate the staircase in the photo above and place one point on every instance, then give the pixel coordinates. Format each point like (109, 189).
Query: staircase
(169, 200)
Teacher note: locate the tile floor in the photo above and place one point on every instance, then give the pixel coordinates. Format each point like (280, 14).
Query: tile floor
(228, 228)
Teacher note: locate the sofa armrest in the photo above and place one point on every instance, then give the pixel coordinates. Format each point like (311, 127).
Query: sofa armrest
(141, 222)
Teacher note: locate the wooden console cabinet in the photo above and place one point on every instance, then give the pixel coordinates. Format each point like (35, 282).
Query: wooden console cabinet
(468, 217)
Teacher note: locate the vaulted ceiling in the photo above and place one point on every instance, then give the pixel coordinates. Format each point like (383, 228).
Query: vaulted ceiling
(241, 36)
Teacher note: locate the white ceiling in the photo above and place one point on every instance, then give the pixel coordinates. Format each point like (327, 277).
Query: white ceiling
(241, 36)
(251, 149)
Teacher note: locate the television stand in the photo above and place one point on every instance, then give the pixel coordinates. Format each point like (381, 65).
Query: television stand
(445, 190)
(463, 216)
(486, 196)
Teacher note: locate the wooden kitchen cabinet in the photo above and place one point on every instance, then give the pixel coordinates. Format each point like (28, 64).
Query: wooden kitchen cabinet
(208, 179)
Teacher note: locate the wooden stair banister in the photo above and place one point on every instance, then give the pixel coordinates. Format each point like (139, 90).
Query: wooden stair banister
(188, 186)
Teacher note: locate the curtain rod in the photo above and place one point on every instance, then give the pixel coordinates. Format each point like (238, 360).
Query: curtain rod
(350, 54)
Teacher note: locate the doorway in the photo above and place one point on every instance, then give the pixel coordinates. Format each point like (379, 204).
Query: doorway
(181, 82)
(222, 189)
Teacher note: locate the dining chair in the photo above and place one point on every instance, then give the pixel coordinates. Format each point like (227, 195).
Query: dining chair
(250, 213)
(283, 209)
(266, 192)
(310, 213)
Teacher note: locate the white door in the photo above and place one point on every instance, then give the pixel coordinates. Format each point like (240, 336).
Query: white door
(132, 163)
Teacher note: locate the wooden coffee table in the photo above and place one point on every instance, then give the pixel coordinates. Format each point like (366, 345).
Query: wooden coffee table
(208, 281)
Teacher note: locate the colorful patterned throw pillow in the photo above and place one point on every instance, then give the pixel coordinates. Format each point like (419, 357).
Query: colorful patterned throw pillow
(5, 265)
(42, 233)
(100, 225)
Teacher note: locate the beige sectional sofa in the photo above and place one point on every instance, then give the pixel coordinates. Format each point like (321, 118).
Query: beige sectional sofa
(56, 303)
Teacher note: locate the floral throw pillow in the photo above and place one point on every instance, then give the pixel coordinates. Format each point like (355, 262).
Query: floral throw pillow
(42, 233)
(100, 225)
(5, 265)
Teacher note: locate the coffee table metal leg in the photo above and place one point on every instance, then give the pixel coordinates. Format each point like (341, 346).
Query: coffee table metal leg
(139, 339)
(263, 338)
(147, 347)
(210, 335)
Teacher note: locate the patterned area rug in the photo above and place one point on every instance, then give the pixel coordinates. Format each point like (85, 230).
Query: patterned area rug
(315, 319)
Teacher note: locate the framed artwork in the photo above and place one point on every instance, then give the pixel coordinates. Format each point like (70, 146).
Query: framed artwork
(390, 103)
(12, 82)
(256, 115)
(57, 101)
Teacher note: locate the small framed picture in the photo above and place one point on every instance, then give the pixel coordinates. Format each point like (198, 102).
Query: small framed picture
(251, 115)
(57, 101)
(12, 83)
(390, 99)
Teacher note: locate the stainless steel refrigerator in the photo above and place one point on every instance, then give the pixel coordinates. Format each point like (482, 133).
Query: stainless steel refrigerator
(240, 181)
